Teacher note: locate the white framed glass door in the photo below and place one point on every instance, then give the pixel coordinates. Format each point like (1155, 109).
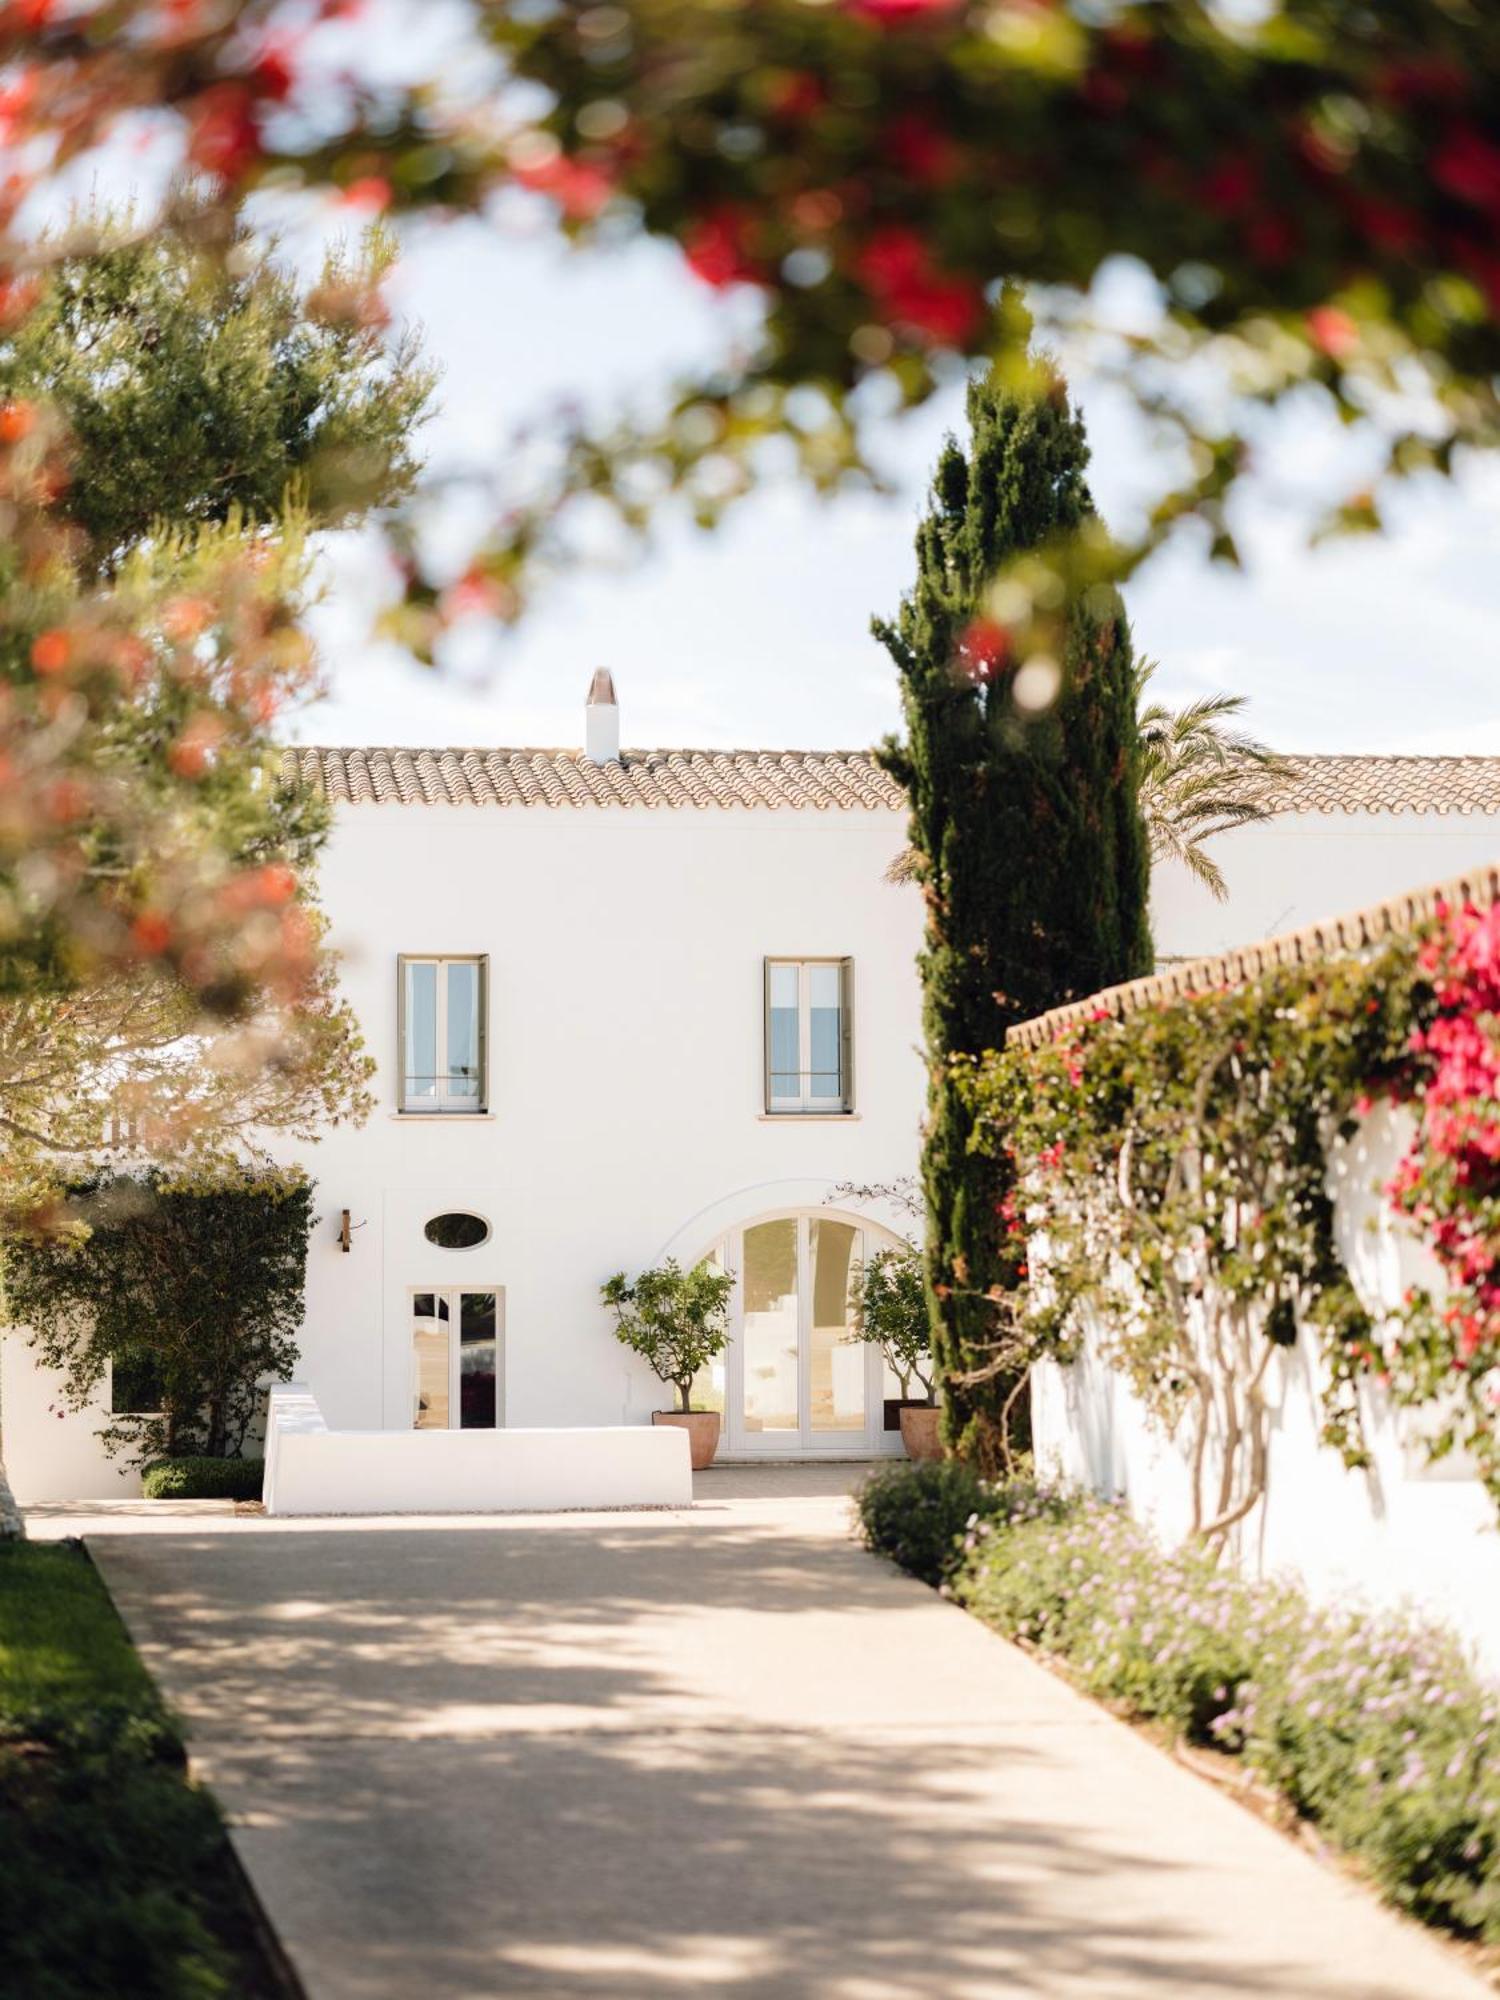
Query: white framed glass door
(795, 1380)
(457, 1342)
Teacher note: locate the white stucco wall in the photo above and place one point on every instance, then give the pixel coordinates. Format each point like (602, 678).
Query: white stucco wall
(1300, 867)
(1403, 1531)
(51, 1451)
(626, 1071)
(625, 1038)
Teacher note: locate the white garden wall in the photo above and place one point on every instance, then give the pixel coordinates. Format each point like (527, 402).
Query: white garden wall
(1404, 1530)
(311, 1469)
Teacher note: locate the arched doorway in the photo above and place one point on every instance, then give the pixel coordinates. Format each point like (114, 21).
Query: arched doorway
(794, 1381)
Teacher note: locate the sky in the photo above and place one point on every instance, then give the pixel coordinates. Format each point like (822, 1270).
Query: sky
(758, 634)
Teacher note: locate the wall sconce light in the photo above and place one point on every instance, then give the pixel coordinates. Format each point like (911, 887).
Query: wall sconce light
(347, 1228)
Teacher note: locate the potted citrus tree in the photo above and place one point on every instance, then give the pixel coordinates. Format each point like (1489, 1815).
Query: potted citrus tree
(677, 1321)
(890, 1312)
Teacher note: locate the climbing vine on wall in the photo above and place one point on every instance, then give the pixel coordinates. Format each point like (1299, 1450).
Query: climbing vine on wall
(1174, 1175)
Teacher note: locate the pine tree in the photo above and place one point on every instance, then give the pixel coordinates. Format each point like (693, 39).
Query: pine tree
(1031, 849)
(198, 385)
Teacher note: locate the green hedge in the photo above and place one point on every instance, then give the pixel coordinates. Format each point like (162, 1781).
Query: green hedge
(204, 1479)
(1373, 1726)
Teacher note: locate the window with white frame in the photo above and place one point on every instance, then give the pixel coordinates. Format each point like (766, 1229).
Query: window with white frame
(443, 1003)
(808, 1035)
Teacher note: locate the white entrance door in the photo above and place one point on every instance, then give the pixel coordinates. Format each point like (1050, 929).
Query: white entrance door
(457, 1379)
(796, 1381)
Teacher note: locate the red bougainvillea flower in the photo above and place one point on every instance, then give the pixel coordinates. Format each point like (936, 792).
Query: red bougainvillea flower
(275, 71)
(983, 648)
(893, 11)
(799, 95)
(1332, 331)
(716, 251)
(896, 269)
(151, 933)
(581, 188)
(370, 192)
(1231, 186)
(1467, 165)
(921, 151)
(224, 130)
(50, 651)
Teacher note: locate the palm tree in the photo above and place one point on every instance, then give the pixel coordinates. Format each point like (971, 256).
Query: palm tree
(1198, 778)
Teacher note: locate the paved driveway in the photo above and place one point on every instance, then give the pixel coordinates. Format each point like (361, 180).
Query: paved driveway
(621, 1757)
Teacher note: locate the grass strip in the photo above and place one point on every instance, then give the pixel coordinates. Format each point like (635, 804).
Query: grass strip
(116, 1876)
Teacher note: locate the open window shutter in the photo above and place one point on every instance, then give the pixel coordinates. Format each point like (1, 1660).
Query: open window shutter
(846, 1030)
(484, 1032)
(400, 1033)
(765, 1033)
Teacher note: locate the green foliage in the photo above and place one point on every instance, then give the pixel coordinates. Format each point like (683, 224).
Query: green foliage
(1200, 777)
(924, 1514)
(1375, 1727)
(200, 1281)
(178, 419)
(1176, 1160)
(890, 1307)
(115, 1875)
(204, 1479)
(875, 170)
(916, 1512)
(1030, 845)
(674, 1319)
(198, 384)
(1168, 1634)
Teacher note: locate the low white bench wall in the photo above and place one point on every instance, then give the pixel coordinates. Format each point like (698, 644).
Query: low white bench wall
(313, 1470)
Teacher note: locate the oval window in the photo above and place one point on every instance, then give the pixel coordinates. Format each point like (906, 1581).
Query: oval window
(457, 1230)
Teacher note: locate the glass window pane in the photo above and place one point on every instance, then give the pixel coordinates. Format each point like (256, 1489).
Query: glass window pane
(430, 1356)
(770, 1336)
(710, 1384)
(420, 1056)
(786, 1060)
(478, 1362)
(462, 1079)
(825, 1011)
(836, 1393)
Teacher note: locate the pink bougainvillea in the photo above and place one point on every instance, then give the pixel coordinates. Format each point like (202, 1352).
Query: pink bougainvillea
(1449, 1180)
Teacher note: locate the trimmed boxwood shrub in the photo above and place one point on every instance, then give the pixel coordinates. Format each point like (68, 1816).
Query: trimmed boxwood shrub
(204, 1479)
(915, 1513)
(923, 1513)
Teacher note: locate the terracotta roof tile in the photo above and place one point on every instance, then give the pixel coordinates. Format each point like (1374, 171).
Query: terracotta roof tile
(704, 779)
(843, 780)
(1391, 785)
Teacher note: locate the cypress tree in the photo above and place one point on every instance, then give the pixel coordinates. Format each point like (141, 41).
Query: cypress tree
(1025, 823)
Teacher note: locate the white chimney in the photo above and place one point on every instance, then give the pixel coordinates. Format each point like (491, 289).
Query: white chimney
(601, 720)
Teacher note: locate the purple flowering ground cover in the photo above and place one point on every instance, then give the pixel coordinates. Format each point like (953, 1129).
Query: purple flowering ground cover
(1376, 1727)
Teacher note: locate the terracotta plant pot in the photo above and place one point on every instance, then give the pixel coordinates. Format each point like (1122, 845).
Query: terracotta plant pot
(919, 1430)
(702, 1427)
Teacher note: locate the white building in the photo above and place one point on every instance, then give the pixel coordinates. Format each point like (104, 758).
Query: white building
(662, 1004)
